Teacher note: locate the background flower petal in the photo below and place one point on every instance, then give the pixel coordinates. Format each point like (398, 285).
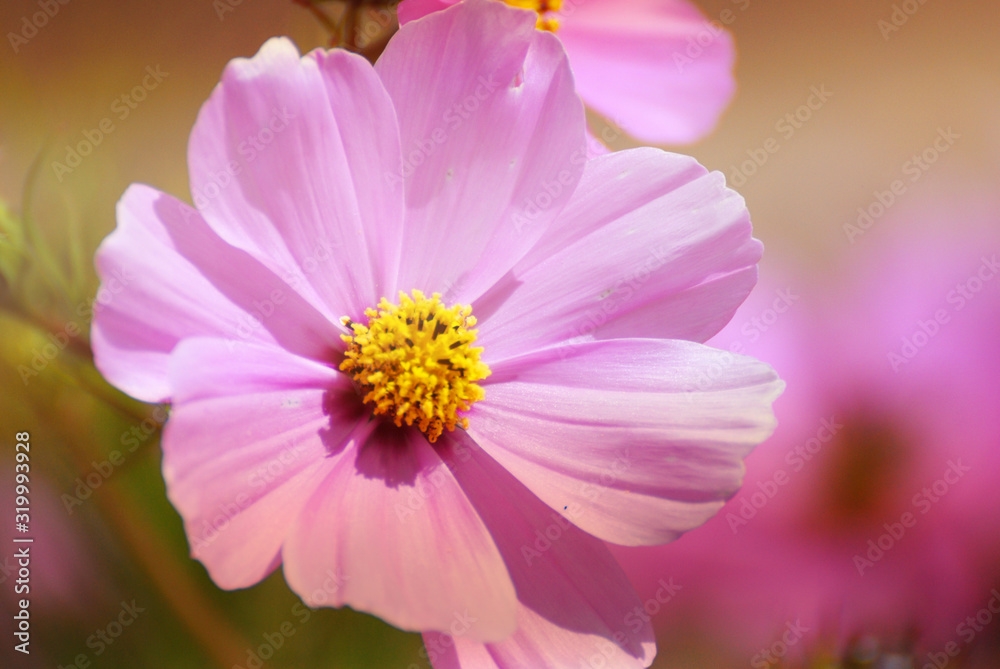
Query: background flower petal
(409, 10)
(657, 68)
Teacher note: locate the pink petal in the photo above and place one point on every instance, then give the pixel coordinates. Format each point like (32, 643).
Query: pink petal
(404, 541)
(658, 248)
(249, 437)
(657, 68)
(409, 10)
(634, 441)
(493, 155)
(166, 276)
(576, 606)
(288, 160)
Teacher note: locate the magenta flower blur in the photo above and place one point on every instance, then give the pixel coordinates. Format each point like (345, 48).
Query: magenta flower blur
(658, 68)
(869, 514)
(423, 354)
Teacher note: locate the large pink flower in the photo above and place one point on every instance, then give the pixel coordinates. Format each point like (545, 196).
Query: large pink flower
(657, 68)
(365, 444)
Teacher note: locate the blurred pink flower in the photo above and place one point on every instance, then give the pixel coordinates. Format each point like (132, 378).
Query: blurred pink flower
(59, 589)
(657, 68)
(871, 513)
(367, 446)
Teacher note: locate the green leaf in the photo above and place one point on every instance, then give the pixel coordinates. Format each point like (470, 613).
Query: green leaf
(12, 250)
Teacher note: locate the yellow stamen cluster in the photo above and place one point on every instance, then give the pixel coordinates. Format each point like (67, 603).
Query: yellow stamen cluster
(414, 362)
(545, 21)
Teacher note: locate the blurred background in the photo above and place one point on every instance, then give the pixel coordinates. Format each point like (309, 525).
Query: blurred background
(868, 531)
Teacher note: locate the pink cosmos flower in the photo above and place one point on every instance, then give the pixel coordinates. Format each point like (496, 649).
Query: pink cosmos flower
(894, 376)
(657, 68)
(330, 412)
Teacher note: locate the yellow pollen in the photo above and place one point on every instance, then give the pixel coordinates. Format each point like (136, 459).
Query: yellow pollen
(545, 22)
(415, 362)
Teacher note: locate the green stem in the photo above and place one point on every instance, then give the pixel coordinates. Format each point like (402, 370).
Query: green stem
(42, 253)
(80, 374)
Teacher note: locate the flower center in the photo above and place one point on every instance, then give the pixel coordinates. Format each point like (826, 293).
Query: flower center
(414, 361)
(545, 22)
